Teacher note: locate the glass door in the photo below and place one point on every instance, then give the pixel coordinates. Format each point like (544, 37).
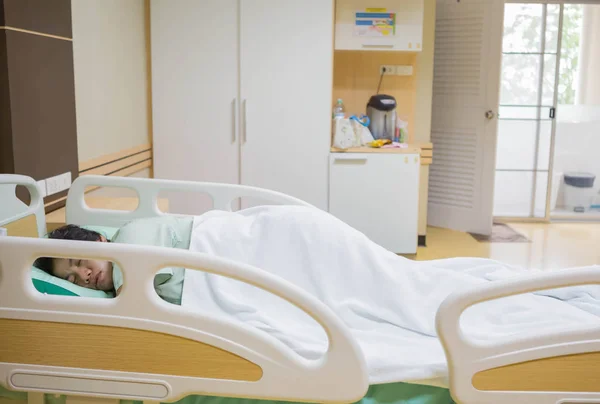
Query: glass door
(576, 149)
(527, 108)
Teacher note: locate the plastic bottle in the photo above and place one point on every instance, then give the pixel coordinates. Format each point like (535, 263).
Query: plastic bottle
(338, 110)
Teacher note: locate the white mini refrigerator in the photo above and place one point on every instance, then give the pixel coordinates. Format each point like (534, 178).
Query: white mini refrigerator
(377, 194)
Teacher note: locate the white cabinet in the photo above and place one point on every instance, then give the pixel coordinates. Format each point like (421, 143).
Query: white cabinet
(286, 59)
(377, 194)
(241, 93)
(194, 94)
(408, 35)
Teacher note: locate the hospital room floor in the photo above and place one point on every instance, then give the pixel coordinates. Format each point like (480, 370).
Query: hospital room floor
(552, 246)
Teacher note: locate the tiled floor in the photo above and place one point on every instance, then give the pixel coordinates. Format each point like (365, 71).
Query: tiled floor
(552, 246)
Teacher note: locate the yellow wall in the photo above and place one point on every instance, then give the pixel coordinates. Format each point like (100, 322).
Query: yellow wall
(423, 100)
(111, 76)
(356, 76)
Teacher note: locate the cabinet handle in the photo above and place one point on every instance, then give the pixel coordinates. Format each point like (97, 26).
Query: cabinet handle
(235, 119)
(377, 46)
(351, 159)
(245, 122)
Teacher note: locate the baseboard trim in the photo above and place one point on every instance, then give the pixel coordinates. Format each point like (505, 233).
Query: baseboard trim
(55, 204)
(99, 164)
(120, 164)
(26, 31)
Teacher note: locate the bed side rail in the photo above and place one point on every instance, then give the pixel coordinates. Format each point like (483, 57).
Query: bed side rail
(207, 355)
(148, 191)
(12, 209)
(562, 367)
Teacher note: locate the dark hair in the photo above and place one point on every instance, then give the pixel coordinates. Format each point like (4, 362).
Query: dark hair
(68, 232)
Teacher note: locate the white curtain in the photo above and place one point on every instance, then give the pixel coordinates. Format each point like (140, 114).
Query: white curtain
(588, 89)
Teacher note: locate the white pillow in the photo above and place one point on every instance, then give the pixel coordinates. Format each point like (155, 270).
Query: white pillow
(52, 285)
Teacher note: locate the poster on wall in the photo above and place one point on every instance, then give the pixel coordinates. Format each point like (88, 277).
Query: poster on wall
(375, 22)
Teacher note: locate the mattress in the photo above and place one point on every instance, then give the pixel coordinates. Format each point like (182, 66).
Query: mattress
(392, 393)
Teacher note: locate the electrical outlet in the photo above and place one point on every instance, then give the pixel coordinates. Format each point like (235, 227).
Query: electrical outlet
(52, 186)
(58, 183)
(389, 70)
(404, 70)
(66, 180)
(396, 70)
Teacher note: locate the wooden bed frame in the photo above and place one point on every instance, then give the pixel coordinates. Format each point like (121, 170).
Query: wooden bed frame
(151, 350)
(119, 349)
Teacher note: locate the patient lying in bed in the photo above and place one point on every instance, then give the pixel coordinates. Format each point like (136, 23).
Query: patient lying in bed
(164, 231)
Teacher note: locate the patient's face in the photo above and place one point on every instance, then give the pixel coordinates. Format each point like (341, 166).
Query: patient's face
(90, 274)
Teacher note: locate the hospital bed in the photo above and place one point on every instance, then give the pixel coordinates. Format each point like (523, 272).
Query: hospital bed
(137, 347)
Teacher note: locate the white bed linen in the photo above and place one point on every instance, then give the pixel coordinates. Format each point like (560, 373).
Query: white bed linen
(389, 302)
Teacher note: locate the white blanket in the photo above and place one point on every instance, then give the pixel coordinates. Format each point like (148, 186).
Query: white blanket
(389, 302)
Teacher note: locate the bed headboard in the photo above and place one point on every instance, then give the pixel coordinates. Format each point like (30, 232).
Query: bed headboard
(78, 212)
(15, 215)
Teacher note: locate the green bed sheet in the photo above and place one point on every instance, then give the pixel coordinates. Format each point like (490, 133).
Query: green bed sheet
(393, 393)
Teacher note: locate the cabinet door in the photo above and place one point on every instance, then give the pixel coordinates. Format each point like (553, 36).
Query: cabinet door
(194, 90)
(378, 194)
(408, 35)
(286, 59)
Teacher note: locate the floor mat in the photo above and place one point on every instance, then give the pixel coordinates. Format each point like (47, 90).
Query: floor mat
(501, 233)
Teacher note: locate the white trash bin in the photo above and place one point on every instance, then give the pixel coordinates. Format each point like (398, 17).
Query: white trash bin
(579, 191)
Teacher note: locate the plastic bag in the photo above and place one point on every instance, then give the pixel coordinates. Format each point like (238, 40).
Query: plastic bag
(351, 132)
(362, 133)
(343, 133)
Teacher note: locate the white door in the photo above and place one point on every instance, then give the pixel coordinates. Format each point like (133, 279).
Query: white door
(194, 94)
(466, 84)
(286, 59)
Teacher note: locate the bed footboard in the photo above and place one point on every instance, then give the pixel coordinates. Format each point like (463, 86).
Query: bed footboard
(137, 346)
(558, 368)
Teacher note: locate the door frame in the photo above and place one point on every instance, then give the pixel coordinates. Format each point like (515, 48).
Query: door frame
(546, 218)
(491, 131)
(563, 218)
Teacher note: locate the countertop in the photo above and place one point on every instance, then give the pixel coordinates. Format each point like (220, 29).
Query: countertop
(424, 149)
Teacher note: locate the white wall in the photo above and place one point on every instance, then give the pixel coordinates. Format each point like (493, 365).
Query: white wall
(111, 77)
(588, 90)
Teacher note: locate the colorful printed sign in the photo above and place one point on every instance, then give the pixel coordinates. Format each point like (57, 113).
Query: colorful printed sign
(375, 22)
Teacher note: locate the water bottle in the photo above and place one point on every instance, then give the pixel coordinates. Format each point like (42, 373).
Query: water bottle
(338, 110)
